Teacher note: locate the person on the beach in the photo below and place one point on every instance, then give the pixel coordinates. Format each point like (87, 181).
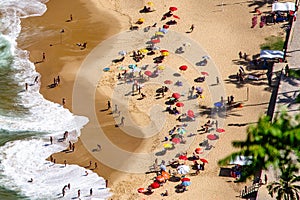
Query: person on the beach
(69, 186)
(26, 86)
(51, 158)
(36, 79)
(63, 101)
(86, 173)
(73, 147)
(106, 183)
(108, 105)
(51, 140)
(90, 164)
(78, 193)
(30, 180)
(240, 55)
(71, 17)
(218, 81)
(287, 70)
(122, 120)
(192, 28)
(65, 162)
(91, 191)
(96, 165)
(58, 80)
(44, 56)
(266, 179)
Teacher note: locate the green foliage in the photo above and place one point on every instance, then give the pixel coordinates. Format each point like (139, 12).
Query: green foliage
(273, 43)
(294, 73)
(268, 144)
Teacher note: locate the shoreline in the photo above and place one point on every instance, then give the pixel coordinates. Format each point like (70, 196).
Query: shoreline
(70, 59)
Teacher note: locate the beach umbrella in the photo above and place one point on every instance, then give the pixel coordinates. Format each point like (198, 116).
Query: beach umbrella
(181, 131)
(165, 174)
(163, 30)
(141, 20)
(199, 79)
(218, 104)
(154, 41)
(131, 66)
(198, 150)
(136, 69)
(175, 16)
(161, 67)
(203, 160)
(160, 178)
(163, 50)
(141, 190)
(148, 73)
(212, 137)
(179, 104)
(190, 113)
(205, 73)
(168, 146)
(185, 179)
(205, 57)
(106, 69)
(176, 95)
(186, 183)
(159, 33)
(168, 82)
(150, 3)
(155, 185)
(144, 50)
(182, 157)
(122, 68)
(183, 169)
(172, 8)
(199, 89)
(163, 167)
(166, 26)
(165, 53)
(183, 67)
(176, 140)
(122, 53)
(220, 130)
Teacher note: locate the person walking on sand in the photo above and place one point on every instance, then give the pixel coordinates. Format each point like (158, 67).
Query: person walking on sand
(65, 162)
(36, 80)
(96, 165)
(91, 191)
(108, 105)
(71, 17)
(51, 140)
(122, 121)
(78, 193)
(26, 86)
(58, 80)
(44, 56)
(63, 101)
(192, 28)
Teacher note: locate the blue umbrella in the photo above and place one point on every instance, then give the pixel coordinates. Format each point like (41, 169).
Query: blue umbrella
(186, 183)
(106, 69)
(132, 66)
(218, 104)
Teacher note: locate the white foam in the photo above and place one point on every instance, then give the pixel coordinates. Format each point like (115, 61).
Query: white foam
(23, 160)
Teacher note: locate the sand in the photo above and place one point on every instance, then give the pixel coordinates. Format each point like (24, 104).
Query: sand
(222, 31)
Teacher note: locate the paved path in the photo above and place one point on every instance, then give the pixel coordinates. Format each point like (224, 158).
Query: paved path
(87, 80)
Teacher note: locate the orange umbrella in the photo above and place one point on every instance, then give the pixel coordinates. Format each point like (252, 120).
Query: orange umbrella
(166, 175)
(198, 150)
(141, 190)
(160, 178)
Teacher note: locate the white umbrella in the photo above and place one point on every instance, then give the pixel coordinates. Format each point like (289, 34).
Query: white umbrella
(183, 169)
(122, 53)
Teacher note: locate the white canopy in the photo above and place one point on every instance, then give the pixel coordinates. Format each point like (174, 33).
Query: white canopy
(241, 160)
(271, 54)
(288, 6)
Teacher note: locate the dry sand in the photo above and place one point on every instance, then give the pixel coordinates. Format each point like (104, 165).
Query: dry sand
(222, 31)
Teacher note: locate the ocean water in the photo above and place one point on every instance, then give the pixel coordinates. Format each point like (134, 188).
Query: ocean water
(27, 121)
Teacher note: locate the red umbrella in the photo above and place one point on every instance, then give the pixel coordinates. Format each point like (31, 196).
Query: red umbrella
(212, 136)
(185, 179)
(198, 150)
(148, 73)
(220, 130)
(176, 95)
(190, 113)
(141, 190)
(203, 160)
(172, 8)
(175, 16)
(176, 140)
(155, 41)
(168, 82)
(165, 26)
(164, 50)
(179, 104)
(183, 67)
(205, 73)
(155, 185)
(183, 157)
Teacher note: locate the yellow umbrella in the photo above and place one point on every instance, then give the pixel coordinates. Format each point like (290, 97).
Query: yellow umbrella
(150, 3)
(168, 146)
(141, 20)
(143, 51)
(159, 33)
(165, 53)
(161, 67)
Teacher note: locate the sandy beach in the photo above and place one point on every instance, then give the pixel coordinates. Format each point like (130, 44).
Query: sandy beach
(221, 30)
